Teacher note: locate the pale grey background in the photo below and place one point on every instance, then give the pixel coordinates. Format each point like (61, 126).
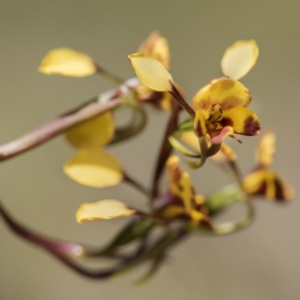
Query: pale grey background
(261, 262)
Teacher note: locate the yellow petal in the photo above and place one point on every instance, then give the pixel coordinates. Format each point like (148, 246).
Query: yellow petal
(180, 183)
(67, 62)
(191, 140)
(242, 119)
(266, 149)
(151, 72)
(95, 168)
(239, 59)
(226, 92)
(96, 132)
(225, 154)
(157, 47)
(267, 183)
(103, 210)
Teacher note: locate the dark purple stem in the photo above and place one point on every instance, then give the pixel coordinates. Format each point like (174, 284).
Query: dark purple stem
(165, 149)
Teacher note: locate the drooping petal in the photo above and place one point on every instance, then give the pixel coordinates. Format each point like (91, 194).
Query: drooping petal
(96, 132)
(67, 62)
(157, 47)
(242, 119)
(267, 183)
(225, 154)
(103, 210)
(190, 139)
(180, 183)
(218, 137)
(226, 92)
(266, 149)
(151, 72)
(200, 122)
(95, 168)
(239, 59)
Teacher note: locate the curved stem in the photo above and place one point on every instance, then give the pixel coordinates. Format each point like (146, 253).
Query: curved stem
(204, 154)
(114, 78)
(165, 149)
(233, 226)
(175, 93)
(136, 126)
(128, 179)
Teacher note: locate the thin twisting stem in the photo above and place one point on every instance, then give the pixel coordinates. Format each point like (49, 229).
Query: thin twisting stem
(232, 226)
(128, 179)
(114, 78)
(175, 93)
(165, 149)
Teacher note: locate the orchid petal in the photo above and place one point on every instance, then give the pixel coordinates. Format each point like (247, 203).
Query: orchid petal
(103, 210)
(96, 132)
(151, 72)
(226, 92)
(157, 47)
(67, 62)
(242, 119)
(239, 59)
(95, 168)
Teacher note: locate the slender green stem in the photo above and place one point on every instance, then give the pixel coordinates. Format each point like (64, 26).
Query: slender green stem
(135, 127)
(128, 179)
(203, 157)
(114, 78)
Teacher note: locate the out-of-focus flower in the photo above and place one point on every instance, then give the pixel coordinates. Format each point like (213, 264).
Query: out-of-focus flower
(184, 202)
(262, 181)
(67, 62)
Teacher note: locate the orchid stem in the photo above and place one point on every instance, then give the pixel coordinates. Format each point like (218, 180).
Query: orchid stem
(128, 179)
(165, 149)
(113, 78)
(182, 101)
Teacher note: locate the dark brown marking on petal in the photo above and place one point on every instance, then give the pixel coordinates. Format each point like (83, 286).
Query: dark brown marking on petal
(251, 126)
(279, 190)
(226, 122)
(262, 189)
(199, 131)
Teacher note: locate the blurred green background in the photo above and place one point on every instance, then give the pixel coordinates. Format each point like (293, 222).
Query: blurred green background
(261, 262)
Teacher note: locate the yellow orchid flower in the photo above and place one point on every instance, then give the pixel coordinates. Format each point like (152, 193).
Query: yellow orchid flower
(263, 181)
(223, 102)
